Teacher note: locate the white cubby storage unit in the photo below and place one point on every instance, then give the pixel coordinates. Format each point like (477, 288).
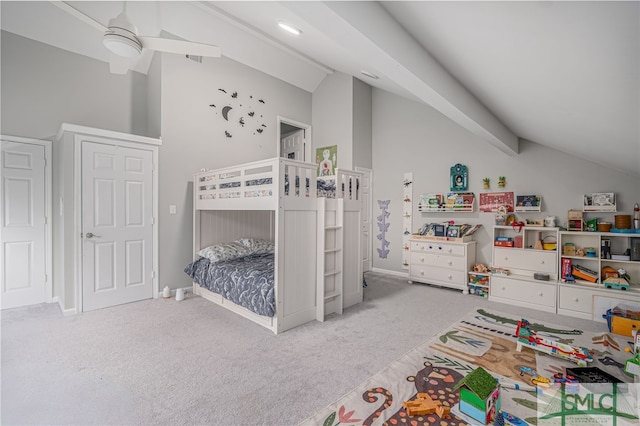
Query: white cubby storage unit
(522, 261)
(577, 299)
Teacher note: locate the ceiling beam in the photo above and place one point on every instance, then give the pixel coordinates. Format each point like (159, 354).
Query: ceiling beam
(368, 31)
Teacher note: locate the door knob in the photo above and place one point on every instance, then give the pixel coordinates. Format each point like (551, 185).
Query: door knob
(91, 235)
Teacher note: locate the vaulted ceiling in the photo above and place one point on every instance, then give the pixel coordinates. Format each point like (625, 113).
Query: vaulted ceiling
(562, 74)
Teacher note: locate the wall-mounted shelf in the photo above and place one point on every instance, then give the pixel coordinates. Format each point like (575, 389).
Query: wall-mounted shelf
(528, 204)
(461, 202)
(599, 202)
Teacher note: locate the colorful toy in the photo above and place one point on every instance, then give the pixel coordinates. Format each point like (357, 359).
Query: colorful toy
(632, 366)
(479, 396)
(481, 268)
(536, 379)
(616, 283)
(528, 337)
(423, 405)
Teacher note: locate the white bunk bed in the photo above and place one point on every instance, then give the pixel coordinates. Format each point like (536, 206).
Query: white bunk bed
(277, 199)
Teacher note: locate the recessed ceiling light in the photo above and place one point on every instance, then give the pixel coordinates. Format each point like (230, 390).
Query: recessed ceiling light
(289, 28)
(370, 75)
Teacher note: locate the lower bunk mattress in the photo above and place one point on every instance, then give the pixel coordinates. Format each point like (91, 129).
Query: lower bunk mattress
(247, 281)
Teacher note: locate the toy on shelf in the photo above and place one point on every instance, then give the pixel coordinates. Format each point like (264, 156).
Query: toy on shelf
(423, 405)
(481, 268)
(575, 221)
(479, 396)
(581, 356)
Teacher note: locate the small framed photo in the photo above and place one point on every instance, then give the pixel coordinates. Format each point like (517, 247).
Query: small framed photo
(453, 231)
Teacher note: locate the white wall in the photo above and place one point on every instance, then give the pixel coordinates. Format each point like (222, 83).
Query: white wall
(193, 135)
(412, 137)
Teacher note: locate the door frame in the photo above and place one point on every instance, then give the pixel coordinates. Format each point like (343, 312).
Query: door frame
(48, 205)
(307, 135)
(107, 137)
(369, 172)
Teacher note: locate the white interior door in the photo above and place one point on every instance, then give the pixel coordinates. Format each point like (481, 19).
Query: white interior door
(117, 225)
(293, 147)
(24, 235)
(367, 179)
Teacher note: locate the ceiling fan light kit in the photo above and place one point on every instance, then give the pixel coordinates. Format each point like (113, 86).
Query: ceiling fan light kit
(122, 46)
(121, 38)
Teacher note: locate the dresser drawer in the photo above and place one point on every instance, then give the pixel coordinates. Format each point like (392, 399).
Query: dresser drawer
(576, 299)
(530, 260)
(438, 247)
(523, 291)
(439, 260)
(438, 275)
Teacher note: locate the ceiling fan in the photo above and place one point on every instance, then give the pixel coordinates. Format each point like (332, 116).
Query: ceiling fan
(122, 40)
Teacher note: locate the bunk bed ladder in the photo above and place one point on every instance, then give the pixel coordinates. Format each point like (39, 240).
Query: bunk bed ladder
(330, 257)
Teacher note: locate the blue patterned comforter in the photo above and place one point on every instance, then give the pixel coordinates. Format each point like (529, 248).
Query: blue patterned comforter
(247, 281)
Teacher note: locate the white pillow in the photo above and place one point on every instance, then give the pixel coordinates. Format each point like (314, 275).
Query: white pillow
(258, 246)
(225, 251)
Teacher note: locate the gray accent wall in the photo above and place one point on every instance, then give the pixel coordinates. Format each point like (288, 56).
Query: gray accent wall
(193, 136)
(362, 148)
(43, 86)
(411, 137)
(333, 117)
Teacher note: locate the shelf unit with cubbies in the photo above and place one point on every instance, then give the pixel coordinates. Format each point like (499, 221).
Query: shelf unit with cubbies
(575, 298)
(479, 283)
(525, 260)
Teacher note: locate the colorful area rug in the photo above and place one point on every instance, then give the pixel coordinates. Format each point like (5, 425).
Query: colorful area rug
(483, 338)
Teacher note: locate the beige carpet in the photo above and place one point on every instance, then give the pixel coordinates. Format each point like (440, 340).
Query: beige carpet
(482, 338)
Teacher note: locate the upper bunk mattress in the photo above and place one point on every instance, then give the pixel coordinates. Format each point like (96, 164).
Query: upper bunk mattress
(247, 281)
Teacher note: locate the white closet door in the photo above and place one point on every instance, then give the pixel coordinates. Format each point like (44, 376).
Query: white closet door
(23, 251)
(117, 214)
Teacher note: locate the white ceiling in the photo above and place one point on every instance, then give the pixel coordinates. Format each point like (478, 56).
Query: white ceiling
(561, 74)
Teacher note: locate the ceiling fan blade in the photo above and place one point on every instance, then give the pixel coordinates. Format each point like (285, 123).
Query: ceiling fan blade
(180, 46)
(119, 64)
(79, 15)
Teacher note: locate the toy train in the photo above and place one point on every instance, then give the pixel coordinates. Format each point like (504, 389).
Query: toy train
(581, 356)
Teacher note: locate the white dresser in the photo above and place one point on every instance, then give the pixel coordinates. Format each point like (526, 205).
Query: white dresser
(444, 263)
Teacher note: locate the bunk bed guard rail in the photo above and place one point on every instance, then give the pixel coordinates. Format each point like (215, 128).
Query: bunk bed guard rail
(265, 182)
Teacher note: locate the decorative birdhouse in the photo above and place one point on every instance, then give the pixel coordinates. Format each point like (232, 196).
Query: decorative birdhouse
(479, 395)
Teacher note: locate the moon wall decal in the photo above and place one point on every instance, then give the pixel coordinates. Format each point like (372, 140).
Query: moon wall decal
(225, 112)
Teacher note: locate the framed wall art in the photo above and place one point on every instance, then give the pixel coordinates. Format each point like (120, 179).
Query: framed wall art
(459, 177)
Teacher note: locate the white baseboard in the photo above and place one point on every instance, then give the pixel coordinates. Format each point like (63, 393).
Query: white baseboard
(390, 272)
(65, 312)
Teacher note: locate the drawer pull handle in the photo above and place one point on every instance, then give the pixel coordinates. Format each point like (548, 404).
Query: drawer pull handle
(576, 299)
(422, 260)
(439, 247)
(540, 294)
(542, 262)
(503, 288)
(450, 277)
(450, 263)
(450, 250)
(422, 273)
(430, 247)
(506, 258)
